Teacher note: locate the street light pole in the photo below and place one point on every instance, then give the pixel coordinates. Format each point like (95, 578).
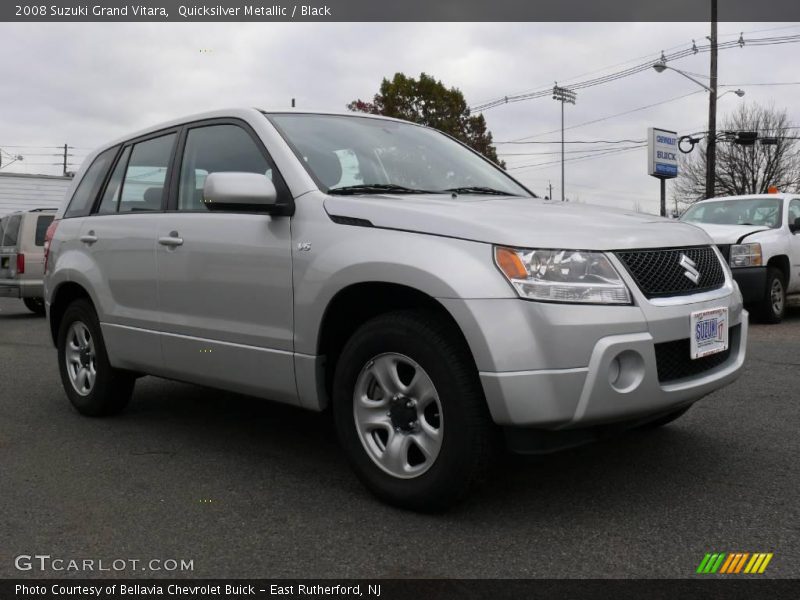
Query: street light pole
(563, 95)
(711, 146)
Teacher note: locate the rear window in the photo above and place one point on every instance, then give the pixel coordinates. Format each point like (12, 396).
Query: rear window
(42, 223)
(10, 230)
(87, 189)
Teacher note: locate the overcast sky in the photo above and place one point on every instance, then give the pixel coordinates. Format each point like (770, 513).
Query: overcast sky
(85, 84)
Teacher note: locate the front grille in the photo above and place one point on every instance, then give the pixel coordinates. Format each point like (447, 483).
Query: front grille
(659, 273)
(673, 359)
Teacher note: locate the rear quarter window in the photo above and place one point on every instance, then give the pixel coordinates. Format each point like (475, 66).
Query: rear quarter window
(82, 200)
(42, 223)
(10, 230)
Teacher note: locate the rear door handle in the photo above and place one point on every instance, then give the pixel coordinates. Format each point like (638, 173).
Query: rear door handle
(90, 238)
(172, 240)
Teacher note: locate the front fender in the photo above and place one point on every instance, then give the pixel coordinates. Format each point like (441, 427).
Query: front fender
(344, 255)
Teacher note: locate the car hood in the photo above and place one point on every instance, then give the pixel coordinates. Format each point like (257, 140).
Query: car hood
(523, 222)
(729, 234)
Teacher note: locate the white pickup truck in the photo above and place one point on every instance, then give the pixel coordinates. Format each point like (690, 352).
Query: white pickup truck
(759, 236)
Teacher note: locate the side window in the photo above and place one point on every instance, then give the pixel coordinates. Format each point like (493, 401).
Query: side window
(143, 186)
(87, 190)
(42, 223)
(219, 148)
(794, 210)
(11, 230)
(110, 202)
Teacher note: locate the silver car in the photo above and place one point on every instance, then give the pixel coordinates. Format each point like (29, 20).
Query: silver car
(386, 271)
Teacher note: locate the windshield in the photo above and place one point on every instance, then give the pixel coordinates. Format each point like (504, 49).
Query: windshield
(366, 155)
(764, 212)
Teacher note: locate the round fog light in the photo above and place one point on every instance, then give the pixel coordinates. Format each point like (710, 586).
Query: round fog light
(626, 371)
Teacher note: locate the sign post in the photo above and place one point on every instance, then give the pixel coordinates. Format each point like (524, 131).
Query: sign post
(662, 159)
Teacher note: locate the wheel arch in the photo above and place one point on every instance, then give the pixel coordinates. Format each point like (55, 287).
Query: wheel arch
(64, 295)
(781, 262)
(357, 303)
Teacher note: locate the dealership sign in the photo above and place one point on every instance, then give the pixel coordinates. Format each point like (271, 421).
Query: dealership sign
(662, 153)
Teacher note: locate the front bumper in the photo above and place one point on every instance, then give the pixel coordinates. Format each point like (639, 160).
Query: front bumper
(567, 398)
(752, 282)
(549, 366)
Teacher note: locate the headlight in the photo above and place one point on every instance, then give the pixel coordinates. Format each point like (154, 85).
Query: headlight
(746, 255)
(562, 275)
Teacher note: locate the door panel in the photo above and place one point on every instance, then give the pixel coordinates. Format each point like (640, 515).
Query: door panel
(794, 247)
(225, 297)
(224, 278)
(124, 279)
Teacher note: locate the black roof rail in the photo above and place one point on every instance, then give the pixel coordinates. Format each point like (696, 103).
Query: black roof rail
(41, 209)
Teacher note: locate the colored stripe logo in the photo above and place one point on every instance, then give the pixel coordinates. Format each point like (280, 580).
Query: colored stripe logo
(734, 563)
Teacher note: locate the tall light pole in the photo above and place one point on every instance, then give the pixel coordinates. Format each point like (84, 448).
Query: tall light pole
(563, 95)
(711, 146)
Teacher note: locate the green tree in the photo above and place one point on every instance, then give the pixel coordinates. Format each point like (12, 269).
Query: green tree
(428, 102)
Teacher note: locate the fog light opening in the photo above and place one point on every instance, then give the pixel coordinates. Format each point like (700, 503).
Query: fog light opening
(626, 371)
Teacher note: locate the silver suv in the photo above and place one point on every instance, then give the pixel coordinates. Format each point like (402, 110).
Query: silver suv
(385, 270)
(22, 236)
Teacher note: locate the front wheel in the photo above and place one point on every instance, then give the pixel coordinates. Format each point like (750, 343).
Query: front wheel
(410, 411)
(93, 386)
(773, 306)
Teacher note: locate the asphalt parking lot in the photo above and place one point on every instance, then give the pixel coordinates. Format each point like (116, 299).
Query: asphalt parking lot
(246, 488)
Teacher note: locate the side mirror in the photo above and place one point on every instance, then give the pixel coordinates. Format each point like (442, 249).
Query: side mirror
(795, 227)
(248, 192)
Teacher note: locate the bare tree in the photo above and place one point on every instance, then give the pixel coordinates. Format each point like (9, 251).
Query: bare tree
(745, 169)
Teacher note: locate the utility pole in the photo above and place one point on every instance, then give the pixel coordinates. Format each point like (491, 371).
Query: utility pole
(65, 159)
(563, 95)
(711, 147)
(550, 190)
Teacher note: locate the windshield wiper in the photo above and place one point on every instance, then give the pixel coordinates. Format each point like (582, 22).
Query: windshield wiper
(376, 188)
(477, 189)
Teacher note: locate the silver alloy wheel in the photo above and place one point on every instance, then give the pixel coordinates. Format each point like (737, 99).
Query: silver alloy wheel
(80, 358)
(398, 415)
(776, 296)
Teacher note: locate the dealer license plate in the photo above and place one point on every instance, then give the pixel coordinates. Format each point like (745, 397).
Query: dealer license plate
(709, 332)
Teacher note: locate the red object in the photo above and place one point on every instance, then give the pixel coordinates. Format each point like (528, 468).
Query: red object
(48, 237)
(20, 264)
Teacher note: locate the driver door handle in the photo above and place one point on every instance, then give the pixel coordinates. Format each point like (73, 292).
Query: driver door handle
(90, 238)
(172, 240)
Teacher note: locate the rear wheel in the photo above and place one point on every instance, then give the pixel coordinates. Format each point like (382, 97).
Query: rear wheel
(35, 305)
(93, 386)
(773, 306)
(410, 411)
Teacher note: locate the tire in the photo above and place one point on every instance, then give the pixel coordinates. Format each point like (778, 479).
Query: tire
(380, 434)
(772, 308)
(665, 419)
(35, 305)
(81, 349)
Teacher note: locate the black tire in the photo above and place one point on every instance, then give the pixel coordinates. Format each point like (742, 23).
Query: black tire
(112, 388)
(35, 305)
(665, 419)
(469, 438)
(771, 310)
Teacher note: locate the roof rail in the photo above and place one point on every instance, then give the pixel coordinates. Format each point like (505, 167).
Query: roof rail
(42, 209)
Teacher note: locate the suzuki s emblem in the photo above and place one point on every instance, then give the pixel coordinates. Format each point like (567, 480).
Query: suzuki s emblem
(690, 268)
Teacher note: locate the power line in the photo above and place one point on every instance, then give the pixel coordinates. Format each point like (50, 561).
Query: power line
(792, 39)
(573, 142)
(596, 155)
(606, 118)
